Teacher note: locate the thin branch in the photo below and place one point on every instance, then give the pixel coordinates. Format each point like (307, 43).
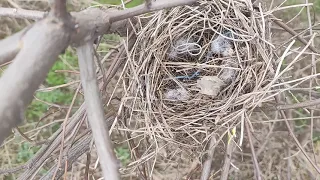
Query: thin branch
(207, 164)
(94, 22)
(95, 113)
(75, 152)
(305, 104)
(86, 172)
(293, 33)
(21, 13)
(142, 9)
(254, 157)
(46, 151)
(227, 161)
(64, 127)
(282, 113)
(11, 46)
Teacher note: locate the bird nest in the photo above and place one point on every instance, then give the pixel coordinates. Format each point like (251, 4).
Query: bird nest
(196, 71)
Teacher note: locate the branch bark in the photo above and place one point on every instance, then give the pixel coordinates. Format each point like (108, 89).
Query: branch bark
(41, 46)
(96, 119)
(149, 7)
(11, 46)
(21, 13)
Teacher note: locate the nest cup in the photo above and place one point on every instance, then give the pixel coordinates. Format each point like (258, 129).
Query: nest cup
(194, 71)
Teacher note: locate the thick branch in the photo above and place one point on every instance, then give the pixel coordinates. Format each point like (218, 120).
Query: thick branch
(41, 46)
(59, 8)
(94, 22)
(96, 118)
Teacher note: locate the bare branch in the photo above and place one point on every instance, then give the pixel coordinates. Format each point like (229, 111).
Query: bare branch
(21, 13)
(207, 164)
(96, 119)
(148, 3)
(142, 9)
(227, 161)
(283, 115)
(293, 33)
(11, 46)
(59, 8)
(257, 171)
(46, 151)
(18, 83)
(75, 152)
(94, 22)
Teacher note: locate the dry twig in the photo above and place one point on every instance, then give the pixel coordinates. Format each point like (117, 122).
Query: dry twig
(207, 164)
(96, 119)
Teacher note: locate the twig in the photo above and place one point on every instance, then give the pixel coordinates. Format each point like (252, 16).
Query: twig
(75, 152)
(46, 151)
(153, 6)
(96, 119)
(94, 22)
(22, 13)
(11, 46)
(282, 113)
(227, 161)
(293, 33)
(34, 143)
(64, 127)
(257, 171)
(86, 172)
(207, 164)
(292, 106)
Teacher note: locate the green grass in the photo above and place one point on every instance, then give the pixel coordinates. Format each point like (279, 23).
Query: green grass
(123, 154)
(61, 96)
(316, 5)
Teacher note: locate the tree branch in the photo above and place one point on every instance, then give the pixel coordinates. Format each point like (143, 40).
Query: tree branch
(257, 171)
(96, 119)
(59, 8)
(75, 152)
(150, 7)
(227, 161)
(293, 33)
(283, 115)
(94, 22)
(21, 13)
(207, 164)
(46, 151)
(41, 46)
(11, 46)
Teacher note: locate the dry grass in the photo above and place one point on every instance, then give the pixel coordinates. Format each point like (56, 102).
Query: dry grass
(169, 139)
(164, 130)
